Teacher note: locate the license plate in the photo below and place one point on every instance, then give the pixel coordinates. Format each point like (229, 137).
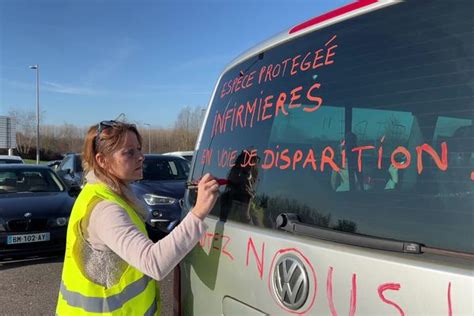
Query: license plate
(27, 238)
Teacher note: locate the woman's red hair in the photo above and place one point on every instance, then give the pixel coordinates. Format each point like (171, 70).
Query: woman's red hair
(108, 141)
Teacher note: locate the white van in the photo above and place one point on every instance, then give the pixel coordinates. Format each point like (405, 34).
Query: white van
(347, 145)
(10, 159)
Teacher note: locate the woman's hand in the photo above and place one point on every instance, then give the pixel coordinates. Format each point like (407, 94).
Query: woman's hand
(208, 191)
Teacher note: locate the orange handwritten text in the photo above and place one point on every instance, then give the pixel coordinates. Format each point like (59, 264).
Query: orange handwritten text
(394, 287)
(386, 292)
(310, 60)
(292, 159)
(442, 162)
(258, 260)
(206, 157)
(242, 81)
(209, 241)
(226, 158)
(265, 107)
(329, 293)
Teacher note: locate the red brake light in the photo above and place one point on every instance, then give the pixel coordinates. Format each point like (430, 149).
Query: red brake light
(332, 14)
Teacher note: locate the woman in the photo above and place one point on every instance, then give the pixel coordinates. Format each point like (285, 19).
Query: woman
(110, 263)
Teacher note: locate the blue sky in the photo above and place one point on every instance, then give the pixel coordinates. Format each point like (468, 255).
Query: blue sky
(147, 59)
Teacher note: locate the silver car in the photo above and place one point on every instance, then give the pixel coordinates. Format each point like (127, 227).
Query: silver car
(10, 159)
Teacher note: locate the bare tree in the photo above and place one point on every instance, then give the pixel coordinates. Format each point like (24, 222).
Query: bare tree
(60, 139)
(25, 129)
(64, 138)
(186, 127)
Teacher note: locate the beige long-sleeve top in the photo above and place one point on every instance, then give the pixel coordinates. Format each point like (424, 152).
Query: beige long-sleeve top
(110, 229)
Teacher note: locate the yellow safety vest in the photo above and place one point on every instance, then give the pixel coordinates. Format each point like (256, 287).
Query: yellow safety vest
(134, 294)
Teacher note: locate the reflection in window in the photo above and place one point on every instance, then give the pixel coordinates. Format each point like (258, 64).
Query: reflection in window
(162, 169)
(297, 127)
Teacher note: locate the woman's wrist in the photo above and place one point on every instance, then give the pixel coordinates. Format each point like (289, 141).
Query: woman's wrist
(198, 213)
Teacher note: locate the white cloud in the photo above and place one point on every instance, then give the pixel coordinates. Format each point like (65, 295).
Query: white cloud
(50, 86)
(69, 89)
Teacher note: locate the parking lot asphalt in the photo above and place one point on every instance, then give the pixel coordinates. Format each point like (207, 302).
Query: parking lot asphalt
(30, 287)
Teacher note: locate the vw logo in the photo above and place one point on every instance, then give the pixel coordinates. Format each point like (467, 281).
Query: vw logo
(290, 282)
(27, 215)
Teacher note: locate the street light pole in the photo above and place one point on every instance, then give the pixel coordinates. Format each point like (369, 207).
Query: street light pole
(36, 67)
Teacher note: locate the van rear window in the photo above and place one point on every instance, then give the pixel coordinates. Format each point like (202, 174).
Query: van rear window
(365, 126)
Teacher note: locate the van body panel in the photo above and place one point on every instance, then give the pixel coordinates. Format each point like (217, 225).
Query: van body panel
(238, 263)
(233, 307)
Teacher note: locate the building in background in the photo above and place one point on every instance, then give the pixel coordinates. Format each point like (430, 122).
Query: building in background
(7, 134)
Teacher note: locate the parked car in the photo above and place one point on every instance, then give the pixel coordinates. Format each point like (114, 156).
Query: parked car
(10, 159)
(70, 170)
(348, 148)
(34, 211)
(188, 155)
(161, 190)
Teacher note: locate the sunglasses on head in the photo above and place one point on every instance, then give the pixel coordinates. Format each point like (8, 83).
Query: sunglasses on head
(102, 126)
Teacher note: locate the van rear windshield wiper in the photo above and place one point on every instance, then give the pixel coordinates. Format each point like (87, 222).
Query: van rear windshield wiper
(290, 222)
